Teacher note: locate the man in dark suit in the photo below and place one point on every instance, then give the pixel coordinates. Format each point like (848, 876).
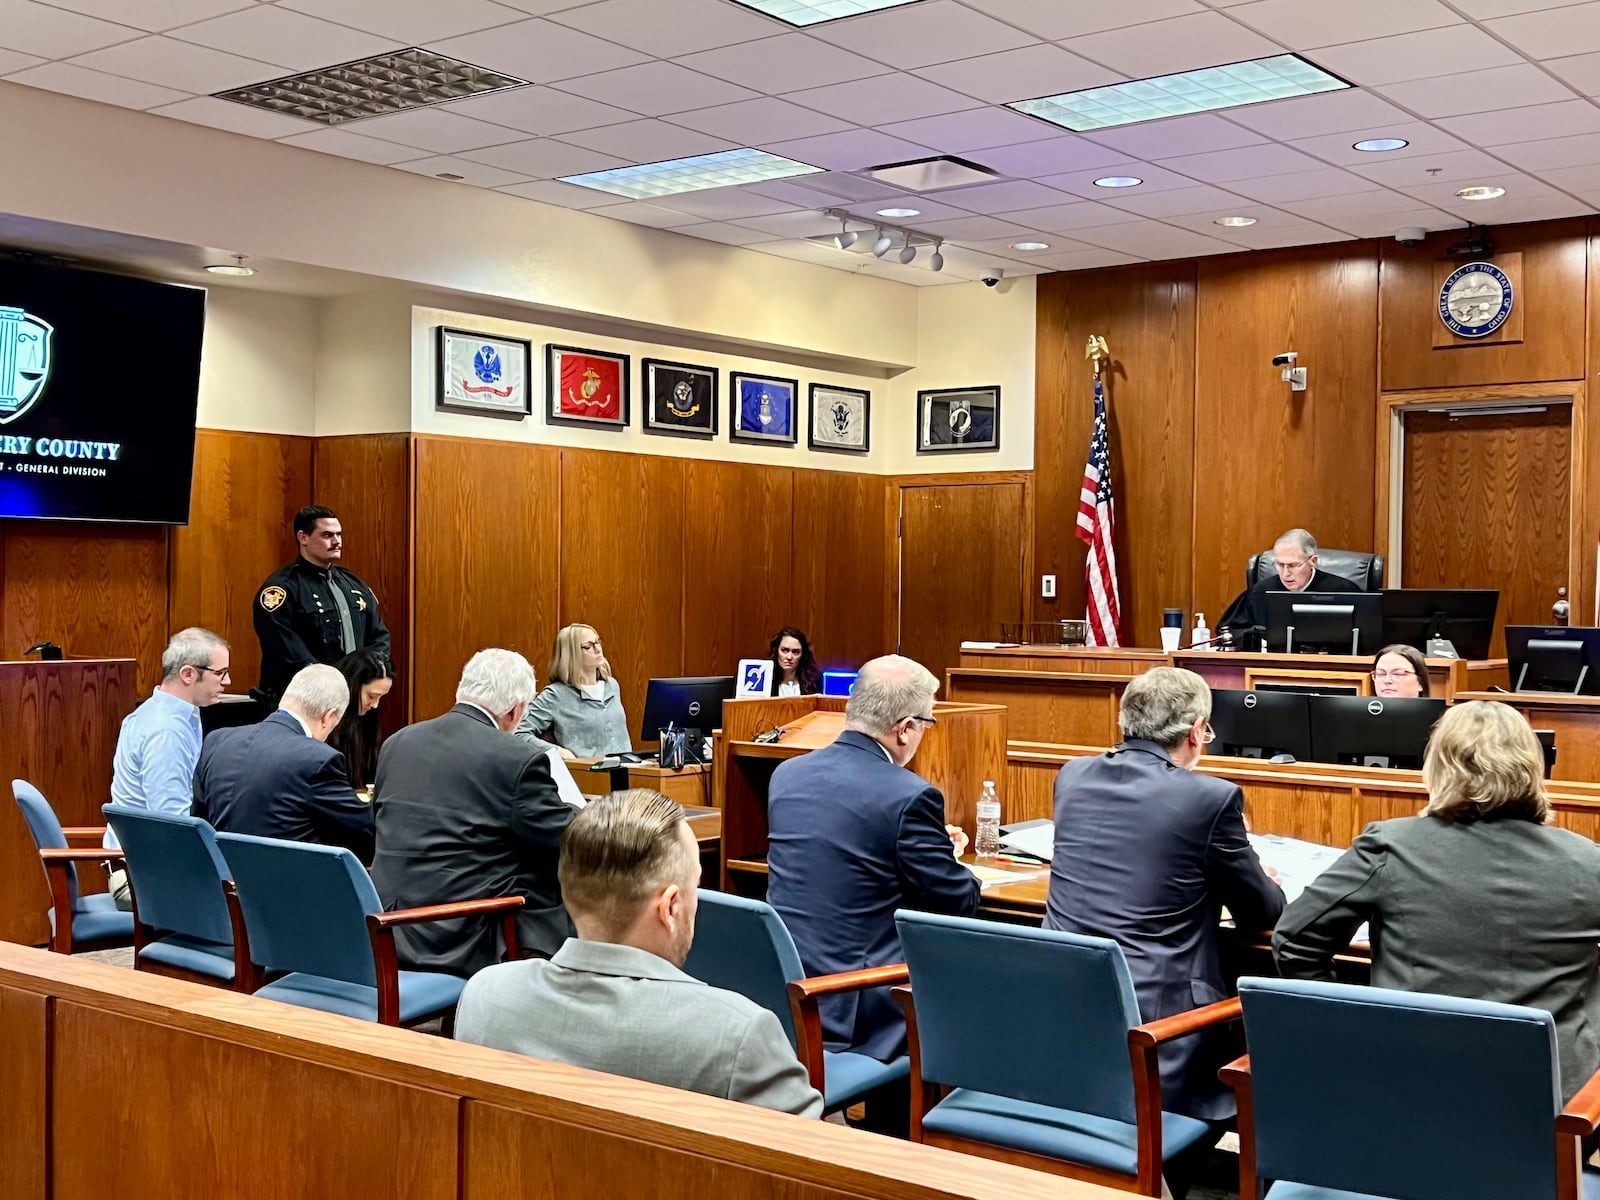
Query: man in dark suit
(856, 835)
(1147, 853)
(1245, 621)
(466, 810)
(280, 779)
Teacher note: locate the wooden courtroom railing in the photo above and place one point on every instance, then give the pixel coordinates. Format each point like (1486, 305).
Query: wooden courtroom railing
(117, 1083)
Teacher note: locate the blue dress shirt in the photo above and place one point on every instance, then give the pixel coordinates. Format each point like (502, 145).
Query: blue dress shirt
(156, 755)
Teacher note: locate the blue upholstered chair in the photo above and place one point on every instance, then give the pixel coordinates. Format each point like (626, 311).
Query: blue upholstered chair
(77, 922)
(1026, 1046)
(311, 911)
(184, 923)
(742, 945)
(1355, 1093)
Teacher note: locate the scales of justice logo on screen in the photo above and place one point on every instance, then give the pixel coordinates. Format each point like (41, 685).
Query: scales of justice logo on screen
(24, 360)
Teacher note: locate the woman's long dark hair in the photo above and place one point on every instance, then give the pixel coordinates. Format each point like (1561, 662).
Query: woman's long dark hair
(356, 736)
(806, 670)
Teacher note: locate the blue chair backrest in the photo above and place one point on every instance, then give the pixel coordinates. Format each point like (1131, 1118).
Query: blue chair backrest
(1034, 1014)
(43, 825)
(743, 945)
(305, 906)
(176, 869)
(1401, 1093)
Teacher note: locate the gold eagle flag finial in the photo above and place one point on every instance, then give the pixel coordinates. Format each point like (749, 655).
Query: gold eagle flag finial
(1098, 352)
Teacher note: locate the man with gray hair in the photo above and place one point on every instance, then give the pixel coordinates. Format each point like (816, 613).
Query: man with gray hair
(1295, 555)
(855, 835)
(159, 744)
(1146, 853)
(280, 778)
(465, 810)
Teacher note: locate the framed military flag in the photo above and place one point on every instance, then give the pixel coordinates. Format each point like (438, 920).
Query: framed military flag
(950, 419)
(680, 399)
(763, 408)
(586, 387)
(482, 374)
(840, 419)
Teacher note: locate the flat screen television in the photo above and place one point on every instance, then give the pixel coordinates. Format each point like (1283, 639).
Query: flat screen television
(99, 382)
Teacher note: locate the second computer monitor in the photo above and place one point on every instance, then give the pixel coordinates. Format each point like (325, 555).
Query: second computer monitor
(690, 703)
(1372, 731)
(1325, 622)
(1260, 724)
(1462, 616)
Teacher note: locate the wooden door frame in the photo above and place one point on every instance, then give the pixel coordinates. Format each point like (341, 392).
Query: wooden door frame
(1388, 512)
(893, 529)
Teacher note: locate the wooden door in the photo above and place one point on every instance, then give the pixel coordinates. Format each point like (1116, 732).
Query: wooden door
(961, 567)
(1486, 505)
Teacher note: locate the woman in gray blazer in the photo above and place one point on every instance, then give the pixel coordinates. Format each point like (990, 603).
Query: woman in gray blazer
(1478, 897)
(580, 709)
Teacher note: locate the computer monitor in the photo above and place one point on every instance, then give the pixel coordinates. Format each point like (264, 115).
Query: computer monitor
(1372, 731)
(693, 703)
(1547, 743)
(1464, 617)
(838, 683)
(1554, 658)
(1324, 622)
(1260, 724)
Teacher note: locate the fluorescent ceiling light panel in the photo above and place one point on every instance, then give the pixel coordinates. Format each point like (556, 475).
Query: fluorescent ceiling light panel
(726, 168)
(815, 12)
(1188, 92)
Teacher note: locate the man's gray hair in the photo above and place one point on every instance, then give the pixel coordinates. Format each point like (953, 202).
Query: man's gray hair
(1162, 705)
(316, 691)
(1301, 538)
(192, 647)
(887, 691)
(497, 681)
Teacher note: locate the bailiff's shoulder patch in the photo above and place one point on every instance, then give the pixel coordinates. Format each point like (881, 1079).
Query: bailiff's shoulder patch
(273, 597)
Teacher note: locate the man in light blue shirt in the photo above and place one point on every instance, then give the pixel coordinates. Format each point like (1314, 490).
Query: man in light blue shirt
(160, 740)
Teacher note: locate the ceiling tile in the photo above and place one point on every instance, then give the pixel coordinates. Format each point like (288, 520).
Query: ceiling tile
(565, 195)
(289, 39)
(1553, 33)
(1339, 148)
(1052, 156)
(972, 228)
(441, 132)
(1247, 162)
(1002, 247)
(1053, 20)
(11, 61)
(882, 99)
(783, 64)
(733, 203)
(345, 144)
(153, 16)
(1151, 239)
(542, 158)
(1384, 225)
(668, 28)
(647, 141)
(1509, 209)
(539, 51)
(1582, 71)
(1302, 185)
(838, 183)
(730, 235)
(1541, 121)
(1519, 188)
(792, 224)
(1480, 91)
(237, 118)
(656, 88)
(540, 8)
(1334, 210)
(1086, 260)
(1483, 10)
(919, 35)
(1293, 233)
(766, 119)
(1309, 116)
(48, 32)
(181, 65)
(1205, 39)
(475, 174)
(1306, 26)
(1574, 179)
(1272, 226)
(95, 85)
(974, 129)
(1177, 201)
(415, 22)
(791, 194)
(540, 110)
(1176, 135)
(1081, 183)
(1460, 165)
(1449, 51)
(638, 212)
(926, 209)
(1001, 197)
(1020, 74)
(851, 150)
(1555, 152)
(1064, 218)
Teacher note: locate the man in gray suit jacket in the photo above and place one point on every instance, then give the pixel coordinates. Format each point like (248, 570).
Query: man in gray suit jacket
(613, 999)
(465, 810)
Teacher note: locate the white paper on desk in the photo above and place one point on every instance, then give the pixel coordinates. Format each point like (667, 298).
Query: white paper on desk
(1037, 838)
(988, 877)
(1297, 864)
(985, 645)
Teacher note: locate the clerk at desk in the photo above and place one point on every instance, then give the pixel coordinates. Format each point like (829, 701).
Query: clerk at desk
(1296, 552)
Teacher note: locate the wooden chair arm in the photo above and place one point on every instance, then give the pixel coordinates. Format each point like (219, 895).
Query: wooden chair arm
(440, 912)
(1153, 1033)
(386, 959)
(1237, 1076)
(1143, 1041)
(803, 997)
(924, 1093)
(83, 833)
(1581, 1116)
(81, 854)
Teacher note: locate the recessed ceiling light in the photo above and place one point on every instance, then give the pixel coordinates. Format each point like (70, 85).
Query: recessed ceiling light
(1030, 245)
(1379, 145)
(1118, 181)
(894, 213)
(815, 12)
(726, 168)
(1481, 193)
(236, 268)
(1235, 222)
(1205, 90)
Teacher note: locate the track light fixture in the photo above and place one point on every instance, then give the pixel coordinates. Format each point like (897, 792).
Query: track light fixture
(883, 238)
(881, 246)
(908, 253)
(936, 259)
(847, 236)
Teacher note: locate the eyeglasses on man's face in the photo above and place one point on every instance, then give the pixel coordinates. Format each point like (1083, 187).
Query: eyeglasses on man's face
(928, 721)
(221, 673)
(1209, 736)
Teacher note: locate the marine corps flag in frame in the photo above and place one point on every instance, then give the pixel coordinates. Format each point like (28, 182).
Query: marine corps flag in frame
(586, 387)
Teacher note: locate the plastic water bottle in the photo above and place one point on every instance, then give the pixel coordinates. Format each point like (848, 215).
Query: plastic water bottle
(988, 841)
(1202, 634)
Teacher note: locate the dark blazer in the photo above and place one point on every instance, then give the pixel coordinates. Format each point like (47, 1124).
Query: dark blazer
(1501, 910)
(1147, 853)
(1249, 608)
(271, 780)
(854, 837)
(466, 811)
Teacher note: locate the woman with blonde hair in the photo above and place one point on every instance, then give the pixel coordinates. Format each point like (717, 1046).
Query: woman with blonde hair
(1478, 897)
(579, 710)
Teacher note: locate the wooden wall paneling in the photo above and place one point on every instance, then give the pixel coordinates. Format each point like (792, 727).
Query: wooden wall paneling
(1267, 459)
(738, 562)
(366, 479)
(622, 558)
(1147, 315)
(1554, 260)
(24, 1095)
(486, 558)
(838, 593)
(247, 488)
(1586, 445)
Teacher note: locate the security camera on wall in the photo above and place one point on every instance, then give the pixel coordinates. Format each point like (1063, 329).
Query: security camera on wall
(992, 275)
(1411, 235)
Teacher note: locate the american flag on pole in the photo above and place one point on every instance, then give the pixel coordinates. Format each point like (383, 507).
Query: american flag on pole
(1097, 529)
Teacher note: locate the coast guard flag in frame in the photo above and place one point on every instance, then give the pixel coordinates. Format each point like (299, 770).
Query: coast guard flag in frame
(840, 419)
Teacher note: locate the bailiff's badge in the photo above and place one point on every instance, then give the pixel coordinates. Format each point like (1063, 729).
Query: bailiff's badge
(273, 597)
(361, 600)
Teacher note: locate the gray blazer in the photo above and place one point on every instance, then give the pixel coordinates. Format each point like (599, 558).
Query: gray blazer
(1490, 910)
(624, 1011)
(587, 728)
